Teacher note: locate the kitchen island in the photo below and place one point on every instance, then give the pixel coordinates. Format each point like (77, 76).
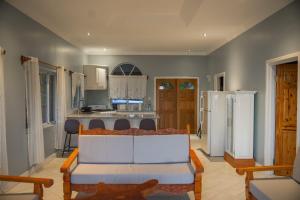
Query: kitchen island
(109, 117)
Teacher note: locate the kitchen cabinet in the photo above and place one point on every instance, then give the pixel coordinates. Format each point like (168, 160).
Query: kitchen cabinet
(240, 123)
(96, 78)
(127, 87)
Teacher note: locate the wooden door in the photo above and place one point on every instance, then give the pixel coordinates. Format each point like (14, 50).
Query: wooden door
(166, 103)
(187, 104)
(176, 103)
(286, 115)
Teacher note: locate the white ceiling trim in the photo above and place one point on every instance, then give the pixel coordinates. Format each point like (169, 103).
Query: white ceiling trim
(163, 53)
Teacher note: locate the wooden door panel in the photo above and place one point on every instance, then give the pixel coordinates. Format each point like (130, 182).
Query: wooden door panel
(166, 103)
(286, 115)
(187, 104)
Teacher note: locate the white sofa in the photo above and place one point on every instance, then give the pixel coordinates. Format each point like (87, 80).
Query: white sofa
(130, 160)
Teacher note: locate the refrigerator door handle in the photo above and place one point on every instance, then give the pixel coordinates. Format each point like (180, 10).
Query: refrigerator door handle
(201, 102)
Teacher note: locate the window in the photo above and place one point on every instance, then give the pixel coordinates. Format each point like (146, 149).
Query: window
(186, 86)
(48, 95)
(166, 85)
(126, 69)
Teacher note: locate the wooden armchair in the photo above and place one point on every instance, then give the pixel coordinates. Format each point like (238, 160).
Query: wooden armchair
(37, 182)
(249, 175)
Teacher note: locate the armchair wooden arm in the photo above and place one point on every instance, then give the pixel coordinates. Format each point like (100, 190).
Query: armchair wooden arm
(196, 161)
(242, 171)
(65, 168)
(198, 174)
(249, 174)
(38, 183)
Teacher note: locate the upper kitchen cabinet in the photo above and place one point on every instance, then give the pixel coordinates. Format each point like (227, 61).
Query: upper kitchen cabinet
(96, 77)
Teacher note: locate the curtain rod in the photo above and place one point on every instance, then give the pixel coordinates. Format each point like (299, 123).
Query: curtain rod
(24, 59)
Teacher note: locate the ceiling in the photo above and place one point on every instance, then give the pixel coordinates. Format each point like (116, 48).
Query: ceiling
(148, 27)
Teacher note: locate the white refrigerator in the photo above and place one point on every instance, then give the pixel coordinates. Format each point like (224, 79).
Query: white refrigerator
(213, 122)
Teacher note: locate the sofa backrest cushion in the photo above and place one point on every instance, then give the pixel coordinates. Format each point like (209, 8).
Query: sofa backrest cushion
(161, 148)
(105, 148)
(296, 168)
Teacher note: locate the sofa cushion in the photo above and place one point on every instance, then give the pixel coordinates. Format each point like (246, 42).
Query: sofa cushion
(19, 197)
(161, 148)
(296, 168)
(180, 173)
(275, 189)
(105, 149)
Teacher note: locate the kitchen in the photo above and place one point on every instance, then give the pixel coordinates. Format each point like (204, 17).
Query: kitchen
(123, 95)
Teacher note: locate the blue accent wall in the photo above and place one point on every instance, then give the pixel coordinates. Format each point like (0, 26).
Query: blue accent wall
(20, 35)
(152, 66)
(244, 60)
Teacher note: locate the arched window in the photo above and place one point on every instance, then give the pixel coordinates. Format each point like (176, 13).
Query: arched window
(126, 69)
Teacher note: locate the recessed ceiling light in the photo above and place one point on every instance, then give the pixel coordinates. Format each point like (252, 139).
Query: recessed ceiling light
(88, 34)
(204, 35)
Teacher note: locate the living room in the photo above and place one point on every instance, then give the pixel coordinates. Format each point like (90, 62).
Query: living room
(64, 64)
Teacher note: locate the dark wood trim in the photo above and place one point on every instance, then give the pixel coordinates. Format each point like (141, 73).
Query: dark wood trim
(237, 163)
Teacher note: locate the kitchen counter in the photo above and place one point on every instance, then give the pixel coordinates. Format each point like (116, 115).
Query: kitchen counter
(115, 114)
(109, 117)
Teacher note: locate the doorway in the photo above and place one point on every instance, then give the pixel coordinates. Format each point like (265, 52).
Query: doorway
(270, 104)
(176, 102)
(219, 82)
(286, 115)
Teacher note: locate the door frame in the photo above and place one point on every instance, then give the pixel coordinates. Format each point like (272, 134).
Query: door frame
(179, 77)
(270, 105)
(216, 76)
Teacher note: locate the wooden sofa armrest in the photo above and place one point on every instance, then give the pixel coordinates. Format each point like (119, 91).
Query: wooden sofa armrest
(65, 168)
(196, 161)
(21, 179)
(242, 171)
(38, 183)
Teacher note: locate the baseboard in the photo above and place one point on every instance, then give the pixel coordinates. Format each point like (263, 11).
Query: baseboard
(10, 185)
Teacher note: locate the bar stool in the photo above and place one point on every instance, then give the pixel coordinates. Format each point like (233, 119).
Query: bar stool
(148, 124)
(71, 128)
(96, 123)
(121, 124)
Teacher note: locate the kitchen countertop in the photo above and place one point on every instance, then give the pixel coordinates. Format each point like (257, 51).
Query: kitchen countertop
(116, 114)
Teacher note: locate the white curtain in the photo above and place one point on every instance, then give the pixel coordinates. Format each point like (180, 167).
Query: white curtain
(77, 89)
(36, 150)
(61, 107)
(3, 150)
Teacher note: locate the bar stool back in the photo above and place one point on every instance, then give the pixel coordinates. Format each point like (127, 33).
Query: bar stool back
(148, 124)
(96, 123)
(121, 124)
(71, 128)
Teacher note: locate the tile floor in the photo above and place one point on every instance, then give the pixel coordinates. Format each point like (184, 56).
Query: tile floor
(220, 182)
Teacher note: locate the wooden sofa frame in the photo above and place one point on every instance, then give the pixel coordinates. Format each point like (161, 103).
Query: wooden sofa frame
(37, 182)
(249, 175)
(68, 187)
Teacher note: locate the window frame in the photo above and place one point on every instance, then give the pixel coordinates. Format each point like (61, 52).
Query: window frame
(48, 74)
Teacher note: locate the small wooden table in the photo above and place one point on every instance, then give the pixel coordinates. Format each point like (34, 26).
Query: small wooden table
(122, 192)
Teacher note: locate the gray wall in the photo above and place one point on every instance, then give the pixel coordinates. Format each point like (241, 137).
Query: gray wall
(152, 66)
(243, 60)
(20, 35)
